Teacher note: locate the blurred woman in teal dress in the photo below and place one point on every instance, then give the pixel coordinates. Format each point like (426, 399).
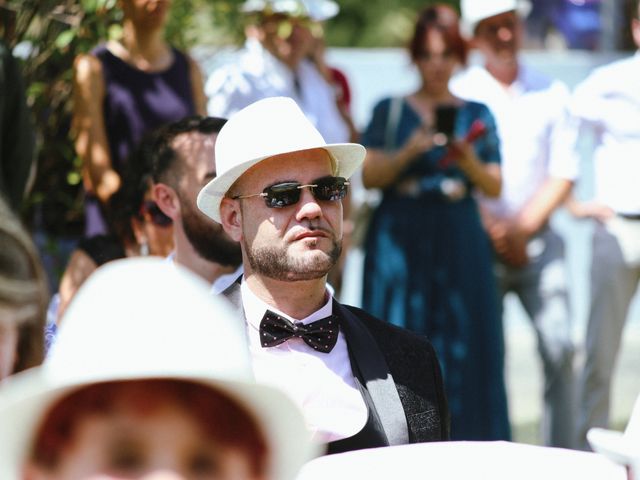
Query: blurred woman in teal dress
(428, 261)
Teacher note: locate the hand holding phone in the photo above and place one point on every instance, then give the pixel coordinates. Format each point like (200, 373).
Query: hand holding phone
(446, 119)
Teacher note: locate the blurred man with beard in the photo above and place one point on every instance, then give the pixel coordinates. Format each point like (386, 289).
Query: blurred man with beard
(183, 162)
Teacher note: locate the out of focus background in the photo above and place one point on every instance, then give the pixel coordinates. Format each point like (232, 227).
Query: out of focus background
(565, 38)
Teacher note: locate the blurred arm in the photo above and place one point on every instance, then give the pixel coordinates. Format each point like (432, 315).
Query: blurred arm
(88, 123)
(197, 87)
(78, 269)
(381, 169)
(486, 176)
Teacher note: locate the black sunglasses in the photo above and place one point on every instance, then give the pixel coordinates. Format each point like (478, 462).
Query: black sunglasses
(156, 215)
(281, 195)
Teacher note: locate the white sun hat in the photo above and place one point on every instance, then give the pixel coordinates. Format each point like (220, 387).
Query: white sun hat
(474, 11)
(463, 460)
(321, 10)
(144, 319)
(268, 127)
(622, 448)
(318, 10)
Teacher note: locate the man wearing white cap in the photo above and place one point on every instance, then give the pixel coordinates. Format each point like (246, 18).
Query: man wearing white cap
(538, 170)
(274, 63)
(360, 381)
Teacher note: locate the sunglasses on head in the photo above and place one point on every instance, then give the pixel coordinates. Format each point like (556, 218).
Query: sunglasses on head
(281, 195)
(156, 215)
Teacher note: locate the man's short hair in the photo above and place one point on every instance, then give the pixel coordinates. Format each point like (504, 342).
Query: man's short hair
(164, 156)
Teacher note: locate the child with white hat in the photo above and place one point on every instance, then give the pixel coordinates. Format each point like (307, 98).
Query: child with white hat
(149, 376)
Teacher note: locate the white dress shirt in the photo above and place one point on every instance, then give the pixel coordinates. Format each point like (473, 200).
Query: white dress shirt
(322, 384)
(532, 122)
(608, 101)
(256, 74)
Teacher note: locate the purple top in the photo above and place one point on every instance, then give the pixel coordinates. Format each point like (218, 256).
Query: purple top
(138, 102)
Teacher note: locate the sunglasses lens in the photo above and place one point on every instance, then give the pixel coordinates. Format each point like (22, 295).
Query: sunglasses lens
(330, 189)
(282, 195)
(286, 194)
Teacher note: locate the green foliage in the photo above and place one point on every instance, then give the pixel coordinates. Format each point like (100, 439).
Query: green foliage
(375, 23)
(53, 32)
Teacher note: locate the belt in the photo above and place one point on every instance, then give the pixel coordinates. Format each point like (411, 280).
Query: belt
(629, 216)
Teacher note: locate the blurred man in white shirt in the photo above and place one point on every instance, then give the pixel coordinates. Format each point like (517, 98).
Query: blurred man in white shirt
(608, 103)
(274, 63)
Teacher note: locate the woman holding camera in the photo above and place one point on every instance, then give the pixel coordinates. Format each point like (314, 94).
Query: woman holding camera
(428, 264)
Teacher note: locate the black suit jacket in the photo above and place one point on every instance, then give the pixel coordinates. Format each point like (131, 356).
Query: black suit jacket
(398, 373)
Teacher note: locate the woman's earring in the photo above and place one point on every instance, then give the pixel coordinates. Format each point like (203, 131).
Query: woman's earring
(144, 249)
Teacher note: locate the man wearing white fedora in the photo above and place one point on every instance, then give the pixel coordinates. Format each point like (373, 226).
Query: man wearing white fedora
(360, 381)
(274, 63)
(155, 385)
(538, 171)
(622, 448)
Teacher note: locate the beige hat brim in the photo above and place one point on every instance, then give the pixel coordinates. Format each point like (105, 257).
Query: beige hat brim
(347, 157)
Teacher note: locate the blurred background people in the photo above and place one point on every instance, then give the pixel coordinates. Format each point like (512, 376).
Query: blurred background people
(23, 297)
(538, 169)
(319, 12)
(184, 162)
(177, 399)
(576, 23)
(427, 260)
(606, 105)
(274, 62)
(138, 228)
(17, 136)
(124, 89)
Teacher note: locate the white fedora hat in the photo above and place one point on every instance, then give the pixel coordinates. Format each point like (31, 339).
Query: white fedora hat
(473, 12)
(144, 319)
(268, 127)
(622, 448)
(318, 10)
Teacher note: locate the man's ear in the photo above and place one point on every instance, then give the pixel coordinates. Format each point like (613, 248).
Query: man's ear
(167, 200)
(231, 218)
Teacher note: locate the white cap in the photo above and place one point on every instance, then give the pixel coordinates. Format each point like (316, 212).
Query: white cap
(474, 11)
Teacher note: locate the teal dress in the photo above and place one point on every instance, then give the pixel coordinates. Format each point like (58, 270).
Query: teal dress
(428, 268)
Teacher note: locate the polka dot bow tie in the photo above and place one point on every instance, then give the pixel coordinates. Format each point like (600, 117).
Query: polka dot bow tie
(320, 335)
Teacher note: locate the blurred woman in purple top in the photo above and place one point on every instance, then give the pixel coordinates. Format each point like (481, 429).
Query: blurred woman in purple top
(124, 89)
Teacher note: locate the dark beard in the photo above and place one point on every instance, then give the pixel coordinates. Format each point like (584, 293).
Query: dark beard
(273, 262)
(208, 237)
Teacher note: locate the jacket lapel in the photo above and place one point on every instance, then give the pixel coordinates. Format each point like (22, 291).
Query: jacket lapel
(371, 370)
(376, 378)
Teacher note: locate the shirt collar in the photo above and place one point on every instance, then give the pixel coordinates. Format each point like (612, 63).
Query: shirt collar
(255, 308)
